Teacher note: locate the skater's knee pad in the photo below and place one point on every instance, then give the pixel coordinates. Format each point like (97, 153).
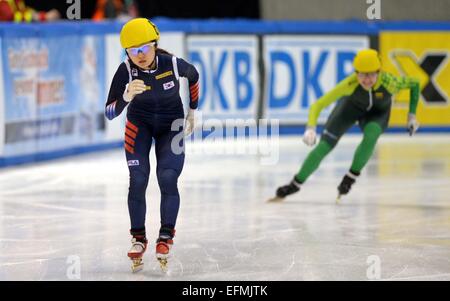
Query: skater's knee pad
(329, 140)
(167, 179)
(325, 146)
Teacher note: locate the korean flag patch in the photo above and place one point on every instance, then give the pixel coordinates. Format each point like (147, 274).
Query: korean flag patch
(168, 85)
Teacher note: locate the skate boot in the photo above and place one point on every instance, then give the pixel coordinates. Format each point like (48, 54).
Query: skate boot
(138, 247)
(346, 184)
(286, 190)
(163, 245)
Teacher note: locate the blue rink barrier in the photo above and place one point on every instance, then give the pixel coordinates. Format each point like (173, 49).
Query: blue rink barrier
(291, 130)
(286, 130)
(67, 120)
(46, 156)
(222, 26)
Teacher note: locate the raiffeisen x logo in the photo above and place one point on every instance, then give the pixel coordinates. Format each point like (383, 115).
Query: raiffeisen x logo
(426, 70)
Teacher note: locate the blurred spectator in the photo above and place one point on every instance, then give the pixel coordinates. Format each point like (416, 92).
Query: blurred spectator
(17, 11)
(115, 9)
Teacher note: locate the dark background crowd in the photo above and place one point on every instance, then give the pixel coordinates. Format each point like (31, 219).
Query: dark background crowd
(50, 10)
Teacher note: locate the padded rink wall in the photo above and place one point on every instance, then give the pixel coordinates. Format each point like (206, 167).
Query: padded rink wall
(55, 78)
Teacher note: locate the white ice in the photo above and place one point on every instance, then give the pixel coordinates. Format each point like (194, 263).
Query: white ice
(67, 219)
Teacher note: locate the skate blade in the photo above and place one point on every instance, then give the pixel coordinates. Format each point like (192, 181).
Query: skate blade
(137, 265)
(163, 264)
(276, 199)
(338, 199)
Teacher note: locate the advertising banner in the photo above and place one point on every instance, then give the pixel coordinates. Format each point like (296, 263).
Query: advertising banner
(2, 110)
(53, 93)
(300, 69)
(229, 74)
(425, 56)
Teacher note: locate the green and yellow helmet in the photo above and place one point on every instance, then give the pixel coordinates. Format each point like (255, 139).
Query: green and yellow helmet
(137, 32)
(367, 61)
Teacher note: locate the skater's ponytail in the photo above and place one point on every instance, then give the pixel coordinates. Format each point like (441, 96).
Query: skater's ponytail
(162, 51)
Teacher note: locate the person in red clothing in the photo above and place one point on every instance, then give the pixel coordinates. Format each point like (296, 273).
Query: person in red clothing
(17, 11)
(115, 9)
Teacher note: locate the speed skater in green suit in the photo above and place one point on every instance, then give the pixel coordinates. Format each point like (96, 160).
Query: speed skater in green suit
(365, 98)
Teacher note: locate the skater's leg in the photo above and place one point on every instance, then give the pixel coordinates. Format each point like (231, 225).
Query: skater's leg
(313, 160)
(169, 148)
(138, 142)
(340, 120)
(309, 166)
(371, 133)
(170, 197)
(169, 166)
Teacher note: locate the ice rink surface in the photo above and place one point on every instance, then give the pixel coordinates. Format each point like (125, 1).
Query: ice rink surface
(68, 217)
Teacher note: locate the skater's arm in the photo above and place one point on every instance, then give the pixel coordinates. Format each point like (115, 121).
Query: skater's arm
(188, 70)
(343, 88)
(116, 103)
(394, 84)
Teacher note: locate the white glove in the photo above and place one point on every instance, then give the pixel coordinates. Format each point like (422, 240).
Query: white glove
(134, 88)
(190, 123)
(413, 124)
(310, 136)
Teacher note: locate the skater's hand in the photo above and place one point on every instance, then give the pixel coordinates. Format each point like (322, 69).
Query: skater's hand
(310, 136)
(413, 124)
(190, 123)
(134, 88)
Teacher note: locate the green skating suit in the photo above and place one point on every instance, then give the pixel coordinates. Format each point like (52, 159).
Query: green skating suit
(370, 109)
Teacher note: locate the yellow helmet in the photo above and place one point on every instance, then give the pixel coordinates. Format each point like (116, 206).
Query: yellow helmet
(366, 61)
(137, 32)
